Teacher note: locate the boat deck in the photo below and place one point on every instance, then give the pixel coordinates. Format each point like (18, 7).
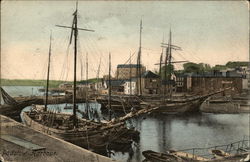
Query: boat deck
(53, 149)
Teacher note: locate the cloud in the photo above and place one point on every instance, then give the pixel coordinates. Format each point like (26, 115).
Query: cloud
(210, 32)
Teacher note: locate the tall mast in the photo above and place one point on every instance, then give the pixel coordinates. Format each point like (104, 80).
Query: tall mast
(160, 68)
(160, 63)
(109, 97)
(161, 57)
(170, 63)
(81, 68)
(139, 66)
(170, 53)
(74, 29)
(47, 86)
(75, 61)
(130, 75)
(87, 103)
(98, 72)
(165, 70)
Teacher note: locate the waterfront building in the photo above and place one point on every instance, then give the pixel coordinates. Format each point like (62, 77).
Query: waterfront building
(130, 86)
(66, 86)
(117, 86)
(196, 83)
(150, 83)
(126, 71)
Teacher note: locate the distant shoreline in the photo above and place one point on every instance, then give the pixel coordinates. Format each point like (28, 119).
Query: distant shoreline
(29, 82)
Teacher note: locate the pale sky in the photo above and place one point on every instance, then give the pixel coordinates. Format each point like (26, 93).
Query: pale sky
(212, 32)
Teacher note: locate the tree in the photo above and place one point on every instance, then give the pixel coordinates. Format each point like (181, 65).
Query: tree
(235, 64)
(170, 68)
(191, 67)
(219, 67)
(204, 67)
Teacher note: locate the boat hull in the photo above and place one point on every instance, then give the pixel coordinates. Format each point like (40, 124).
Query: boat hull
(118, 105)
(185, 107)
(96, 140)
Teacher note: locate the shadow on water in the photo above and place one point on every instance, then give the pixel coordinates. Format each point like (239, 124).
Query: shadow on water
(161, 132)
(94, 114)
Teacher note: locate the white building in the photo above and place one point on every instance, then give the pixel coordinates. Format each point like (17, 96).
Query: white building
(98, 85)
(130, 86)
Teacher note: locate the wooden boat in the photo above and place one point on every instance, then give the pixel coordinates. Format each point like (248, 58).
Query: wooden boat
(220, 153)
(119, 103)
(170, 106)
(229, 104)
(166, 101)
(173, 156)
(187, 156)
(153, 156)
(12, 108)
(88, 134)
(173, 106)
(82, 132)
(239, 154)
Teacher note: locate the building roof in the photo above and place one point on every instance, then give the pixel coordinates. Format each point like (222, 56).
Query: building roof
(132, 80)
(115, 82)
(129, 66)
(150, 74)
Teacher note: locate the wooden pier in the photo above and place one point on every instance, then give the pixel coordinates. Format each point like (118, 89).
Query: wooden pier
(20, 143)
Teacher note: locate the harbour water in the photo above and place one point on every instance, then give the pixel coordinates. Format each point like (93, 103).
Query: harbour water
(164, 132)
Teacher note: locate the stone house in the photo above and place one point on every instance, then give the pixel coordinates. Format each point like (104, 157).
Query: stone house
(126, 71)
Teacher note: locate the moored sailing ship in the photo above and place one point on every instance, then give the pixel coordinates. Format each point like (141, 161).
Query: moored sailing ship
(82, 132)
(165, 99)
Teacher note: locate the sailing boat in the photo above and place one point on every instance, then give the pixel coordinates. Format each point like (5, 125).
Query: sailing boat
(166, 102)
(12, 107)
(82, 132)
(125, 103)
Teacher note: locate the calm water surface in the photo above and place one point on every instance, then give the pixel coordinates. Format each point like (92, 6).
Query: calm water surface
(163, 132)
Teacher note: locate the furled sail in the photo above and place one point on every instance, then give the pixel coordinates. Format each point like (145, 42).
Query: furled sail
(7, 98)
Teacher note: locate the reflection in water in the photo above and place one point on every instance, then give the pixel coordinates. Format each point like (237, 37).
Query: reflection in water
(163, 132)
(164, 129)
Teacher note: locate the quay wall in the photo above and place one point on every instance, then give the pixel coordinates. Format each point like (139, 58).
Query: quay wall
(55, 149)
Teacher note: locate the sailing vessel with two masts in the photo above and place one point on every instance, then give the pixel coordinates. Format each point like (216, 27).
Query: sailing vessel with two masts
(164, 99)
(88, 134)
(124, 103)
(166, 102)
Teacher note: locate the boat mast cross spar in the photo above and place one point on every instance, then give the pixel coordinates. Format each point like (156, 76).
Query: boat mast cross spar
(74, 29)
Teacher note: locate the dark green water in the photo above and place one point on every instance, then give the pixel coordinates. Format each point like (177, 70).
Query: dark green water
(163, 132)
